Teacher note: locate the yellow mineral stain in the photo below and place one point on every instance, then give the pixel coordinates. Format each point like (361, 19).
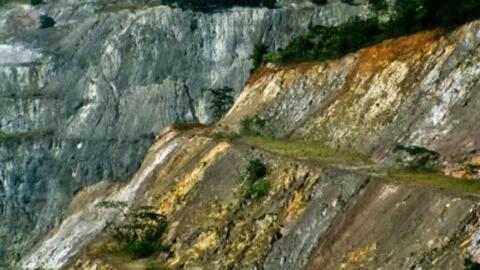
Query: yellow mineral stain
(357, 256)
(295, 207)
(209, 240)
(167, 205)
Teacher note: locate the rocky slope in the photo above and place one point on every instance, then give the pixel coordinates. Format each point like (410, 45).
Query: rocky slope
(81, 102)
(334, 207)
(316, 215)
(419, 90)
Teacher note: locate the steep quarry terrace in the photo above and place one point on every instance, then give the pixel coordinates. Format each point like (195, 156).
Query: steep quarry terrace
(335, 195)
(82, 101)
(322, 211)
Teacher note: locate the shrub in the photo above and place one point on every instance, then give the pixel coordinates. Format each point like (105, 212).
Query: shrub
(259, 188)
(256, 170)
(273, 57)
(415, 150)
(140, 231)
(36, 2)
(471, 265)
(415, 157)
(46, 22)
(252, 126)
(472, 169)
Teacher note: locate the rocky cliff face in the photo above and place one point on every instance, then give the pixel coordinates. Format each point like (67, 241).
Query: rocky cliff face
(327, 207)
(80, 102)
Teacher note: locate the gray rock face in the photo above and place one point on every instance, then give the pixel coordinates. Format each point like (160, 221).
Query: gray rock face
(82, 101)
(330, 197)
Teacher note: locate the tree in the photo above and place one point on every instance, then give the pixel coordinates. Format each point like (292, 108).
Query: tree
(36, 2)
(471, 265)
(259, 50)
(46, 22)
(221, 101)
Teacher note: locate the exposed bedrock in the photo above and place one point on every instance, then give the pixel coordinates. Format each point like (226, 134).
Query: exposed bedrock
(82, 101)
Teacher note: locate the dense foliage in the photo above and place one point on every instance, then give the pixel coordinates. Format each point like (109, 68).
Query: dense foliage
(407, 16)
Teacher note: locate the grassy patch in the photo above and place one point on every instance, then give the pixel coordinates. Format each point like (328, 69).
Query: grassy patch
(308, 150)
(435, 180)
(318, 152)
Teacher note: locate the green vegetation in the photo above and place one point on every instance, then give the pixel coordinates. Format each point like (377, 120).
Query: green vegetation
(140, 230)
(259, 188)
(226, 135)
(426, 175)
(315, 151)
(408, 16)
(472, 169)
(378, 5)
(417, 158)
(435, 180)
(257, 185)
(259, 51)
(222, 101)
(252, 126)
(323, 43)
(46, 22)
(415, 150)
(471, 265)
(256, 170)
(153, 265)
(36, 2)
